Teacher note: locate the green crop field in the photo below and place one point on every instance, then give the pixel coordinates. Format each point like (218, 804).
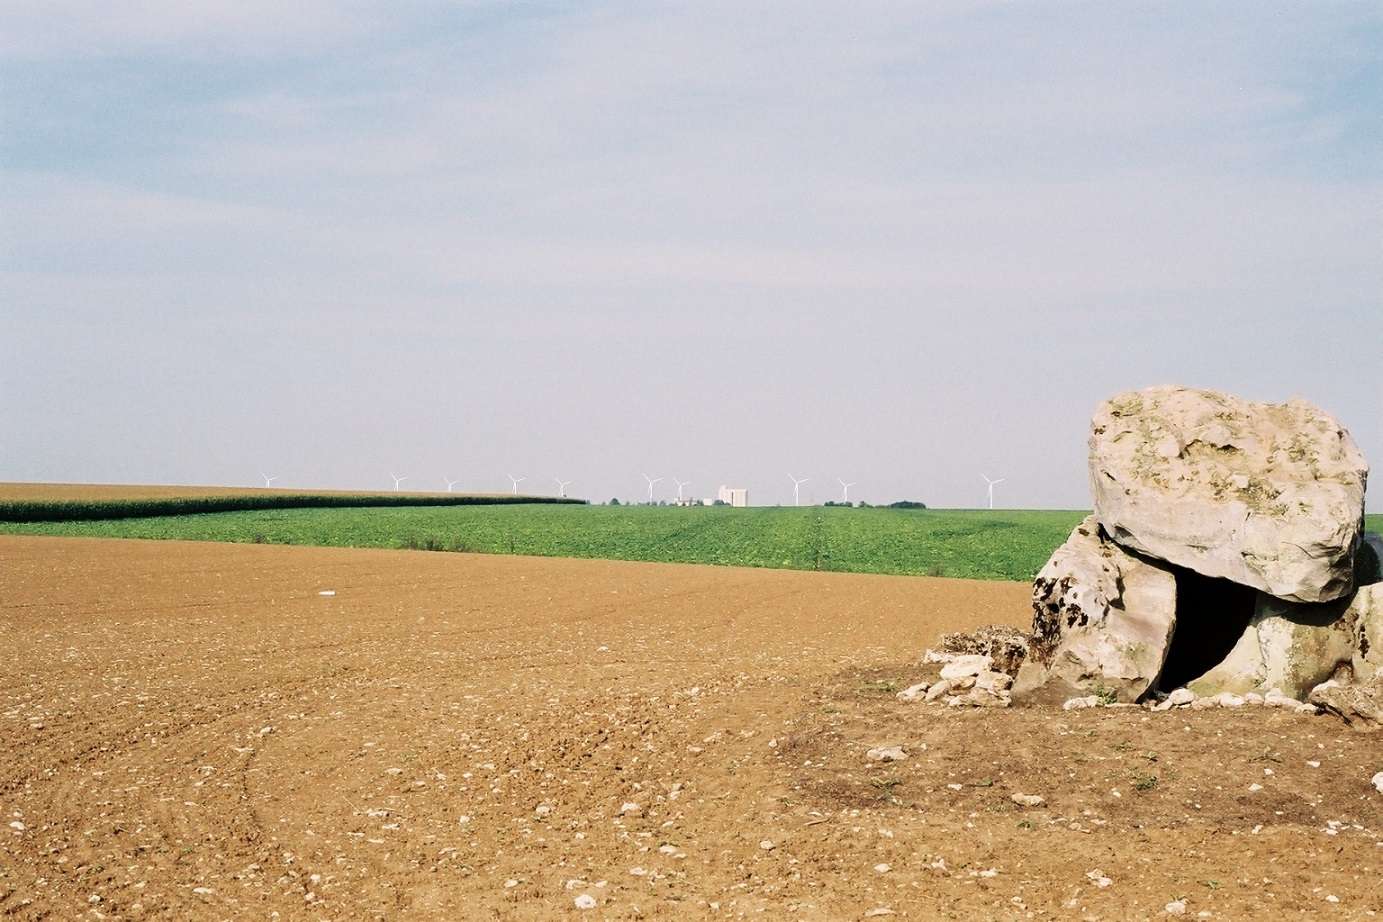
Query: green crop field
(1003, 544)
(963, 543)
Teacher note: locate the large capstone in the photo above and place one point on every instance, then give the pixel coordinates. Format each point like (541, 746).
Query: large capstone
(1266, 495)
(1102, 622)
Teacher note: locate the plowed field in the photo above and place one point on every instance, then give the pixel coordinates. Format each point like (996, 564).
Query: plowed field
(197, 731)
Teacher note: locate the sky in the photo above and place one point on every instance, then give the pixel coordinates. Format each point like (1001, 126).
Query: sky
(904, 244)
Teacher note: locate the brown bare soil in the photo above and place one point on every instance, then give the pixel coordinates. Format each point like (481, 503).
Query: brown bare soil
(193, 731)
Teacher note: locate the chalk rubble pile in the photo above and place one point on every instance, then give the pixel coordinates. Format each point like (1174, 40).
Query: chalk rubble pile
(1225, 562)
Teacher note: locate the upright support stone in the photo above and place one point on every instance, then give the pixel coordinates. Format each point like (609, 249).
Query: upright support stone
(1289, 646)
(1102, 622)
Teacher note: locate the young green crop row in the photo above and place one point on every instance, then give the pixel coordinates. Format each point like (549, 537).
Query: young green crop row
(144, 507)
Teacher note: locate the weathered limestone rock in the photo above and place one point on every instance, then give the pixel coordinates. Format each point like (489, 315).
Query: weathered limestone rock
(986, 698)
(1294, 646)
(1289, 646)
(1102, 622)
(967, 666)
(1368, 641)
(913, 692)
(1266, 495)
(1006, 646)
(939, 690)
(1360, 705)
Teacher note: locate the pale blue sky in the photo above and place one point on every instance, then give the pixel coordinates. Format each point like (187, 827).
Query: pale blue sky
(898, 243)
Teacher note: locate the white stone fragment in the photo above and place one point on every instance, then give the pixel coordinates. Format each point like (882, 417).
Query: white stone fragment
(913, 692)
(1080, 704)
(1378, 782)
(938, 690)
(971, 664)
(1097, 877)
(1175, 908)
(1274, 698)
(585, 901)
(1181, 697)
(1027, 800)
(887, 754)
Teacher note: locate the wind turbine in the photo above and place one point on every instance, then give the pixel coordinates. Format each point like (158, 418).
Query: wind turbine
(845, 490)
(651, 482)
(398, 480)
(991, 487)
(561, 486)
(268, 481)
(680, 485)
(515, 481)
(450, 483)
(796, 487)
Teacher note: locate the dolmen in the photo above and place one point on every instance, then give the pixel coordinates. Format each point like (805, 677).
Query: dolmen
(1226, 555)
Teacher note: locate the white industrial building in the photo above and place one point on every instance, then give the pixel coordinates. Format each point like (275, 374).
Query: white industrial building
(733, 496)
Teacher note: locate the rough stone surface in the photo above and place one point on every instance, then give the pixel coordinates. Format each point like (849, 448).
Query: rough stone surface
(1266, 495)
(1181, 696)
(1368, 641)
(963, 667)
(940, 689)
(1006, 646)
(986, 698)
(913, 692)
(1102, 622)
(1080, 704)
(997, 682)
(1290, 646)
(1359, 705)
(887, 754)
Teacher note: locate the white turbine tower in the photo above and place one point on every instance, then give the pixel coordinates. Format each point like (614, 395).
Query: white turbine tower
(268, 481)
(515, 481)
(651, 482)
(450, 483)
(991, 487)
(398, 480)
(796, 488)
(561, 486)
(845, 490)
(680, 485)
